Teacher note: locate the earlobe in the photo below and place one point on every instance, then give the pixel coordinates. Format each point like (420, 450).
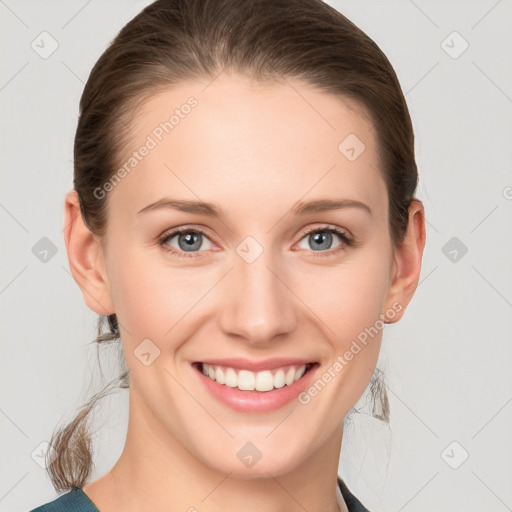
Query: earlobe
(407, 263)
(86, 258)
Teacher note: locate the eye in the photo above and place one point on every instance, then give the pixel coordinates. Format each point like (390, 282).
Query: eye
(188, 240)
(321, 238)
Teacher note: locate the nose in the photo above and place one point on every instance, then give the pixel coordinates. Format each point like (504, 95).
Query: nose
(257, 304)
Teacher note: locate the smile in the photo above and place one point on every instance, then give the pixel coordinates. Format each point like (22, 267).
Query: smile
(245, 380)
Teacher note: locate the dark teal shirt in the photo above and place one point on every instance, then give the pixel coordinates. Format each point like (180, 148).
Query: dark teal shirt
(77, 501)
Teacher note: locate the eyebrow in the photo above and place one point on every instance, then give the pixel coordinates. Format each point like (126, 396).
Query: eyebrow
(212, 210)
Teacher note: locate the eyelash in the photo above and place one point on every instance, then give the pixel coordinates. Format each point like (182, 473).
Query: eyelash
(346, 240)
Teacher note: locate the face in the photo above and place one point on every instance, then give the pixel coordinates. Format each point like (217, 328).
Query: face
(274, 277)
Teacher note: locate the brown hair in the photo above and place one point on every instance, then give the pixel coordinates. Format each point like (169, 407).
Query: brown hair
(175, 40)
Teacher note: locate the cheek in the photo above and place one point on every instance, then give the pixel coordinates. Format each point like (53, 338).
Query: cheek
(154, 299)
(350, 296)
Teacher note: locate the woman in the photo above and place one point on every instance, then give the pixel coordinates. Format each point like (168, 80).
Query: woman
(220, 145)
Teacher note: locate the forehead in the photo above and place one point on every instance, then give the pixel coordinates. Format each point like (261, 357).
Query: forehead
(237, 140)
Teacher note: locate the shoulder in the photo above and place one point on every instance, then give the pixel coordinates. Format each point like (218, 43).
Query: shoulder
(353, 504)
(74, 500)
(77, 501)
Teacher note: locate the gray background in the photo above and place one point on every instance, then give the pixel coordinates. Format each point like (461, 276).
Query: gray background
(447, 362)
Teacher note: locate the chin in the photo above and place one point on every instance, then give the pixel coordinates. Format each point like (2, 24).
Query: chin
(248, 462)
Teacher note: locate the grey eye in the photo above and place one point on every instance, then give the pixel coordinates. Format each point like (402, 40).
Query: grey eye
(320, 239)
(188, 241)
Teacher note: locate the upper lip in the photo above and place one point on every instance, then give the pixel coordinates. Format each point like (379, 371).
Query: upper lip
(267, 364)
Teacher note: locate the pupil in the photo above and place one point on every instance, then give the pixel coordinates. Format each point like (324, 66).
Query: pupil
(321, 236)
(190, 240)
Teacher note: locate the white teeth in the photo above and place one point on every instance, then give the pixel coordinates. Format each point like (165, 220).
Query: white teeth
(279, 379)
(249, 381)
(230, 378)
(246, 380)
(264, 381)
(219, 376)
(290, 377)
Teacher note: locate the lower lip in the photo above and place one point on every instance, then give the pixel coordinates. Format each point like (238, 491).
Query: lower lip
(256, 401)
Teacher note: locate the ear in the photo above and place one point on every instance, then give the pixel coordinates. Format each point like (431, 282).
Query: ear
(86, 258)
(407, 263)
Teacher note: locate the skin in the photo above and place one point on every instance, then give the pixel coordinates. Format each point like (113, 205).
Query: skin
(254, 149)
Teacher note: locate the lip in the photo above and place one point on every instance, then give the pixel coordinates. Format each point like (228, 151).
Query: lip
(255, 401)
(240, 363)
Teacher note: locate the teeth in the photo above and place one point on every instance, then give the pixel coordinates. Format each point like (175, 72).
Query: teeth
(245, 380)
